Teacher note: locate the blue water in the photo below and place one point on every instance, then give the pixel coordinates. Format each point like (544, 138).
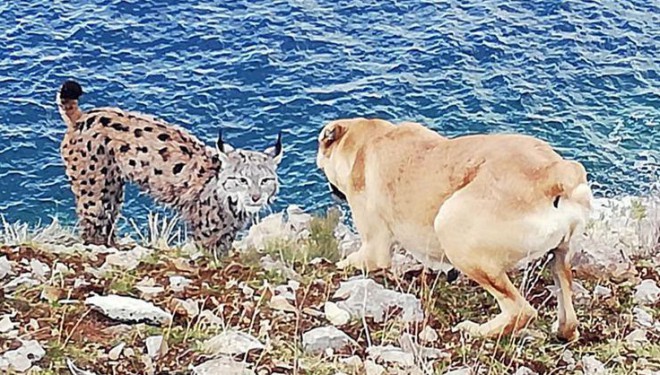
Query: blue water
(583, 75)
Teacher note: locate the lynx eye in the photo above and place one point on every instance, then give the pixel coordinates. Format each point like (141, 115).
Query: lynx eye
(266, 181)
(244, 181)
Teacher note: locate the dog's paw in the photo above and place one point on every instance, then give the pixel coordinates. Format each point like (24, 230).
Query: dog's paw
(469, 327)
(352, 260)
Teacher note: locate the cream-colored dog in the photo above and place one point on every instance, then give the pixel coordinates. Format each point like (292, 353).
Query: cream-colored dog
(481, 202)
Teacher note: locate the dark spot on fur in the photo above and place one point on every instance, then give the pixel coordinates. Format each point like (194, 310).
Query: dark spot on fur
(132, 163)
(124, 148)
(83, 154)
(92, 181)
(164, 137)
(158, 172)
(107, 140)
(79, 125)
(90, 121)
(104, 170)
(104, 121)
(104, 191)
(556, 202)
(89, 146)
(177, 168)
(185, 150)
(148, 129)
(138, 133)
(100, 150)
(92, 167)
(144, 163)
(119, 127)
(143, 149)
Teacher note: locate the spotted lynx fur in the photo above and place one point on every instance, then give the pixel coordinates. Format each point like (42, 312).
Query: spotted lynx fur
(214, 190)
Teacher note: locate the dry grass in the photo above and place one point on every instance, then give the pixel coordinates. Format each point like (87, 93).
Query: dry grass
(237, 290)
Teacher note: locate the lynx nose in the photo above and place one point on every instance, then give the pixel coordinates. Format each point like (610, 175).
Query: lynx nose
(256, 197)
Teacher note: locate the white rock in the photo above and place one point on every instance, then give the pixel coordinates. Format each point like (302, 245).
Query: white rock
(22, 280)
(231, 342)
(5, 267)
(317, 340)
(188, 307)
(391, 354)
(285, 291)
(647, 292)
(40, 270)
(249, 292)
(76, 370)
(129, 309)
(115, 352)
(637, 337)
(127, 260)
(21, 359)
(364, 297)
(353, 362)
(6, 324)
(222, 366)
(602, 292)
(428, 334)
(335, 315)
(156, 346)
(61, 269)
(371, 368)
(178, 283)
(524, 371)
(592, 366)
(642, 318)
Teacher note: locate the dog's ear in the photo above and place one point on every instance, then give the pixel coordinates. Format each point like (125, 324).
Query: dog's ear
(332, 134)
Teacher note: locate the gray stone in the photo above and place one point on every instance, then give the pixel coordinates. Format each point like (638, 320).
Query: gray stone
(231, 342)
(129, 309)
(224, 366)
(5, 267)
(602, 292)
(21, 359)
(364, 297)
(592, 366)
(392, 355)
(647, 292)
(642, 318)
(318, 340)
(156, 346)
(524, 371)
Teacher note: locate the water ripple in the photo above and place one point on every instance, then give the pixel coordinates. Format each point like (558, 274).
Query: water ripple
(583, 75)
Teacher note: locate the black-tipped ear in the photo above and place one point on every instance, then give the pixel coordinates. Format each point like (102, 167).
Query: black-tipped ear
(220, 143)
(70, 90)
(276, 151)
(278, 144)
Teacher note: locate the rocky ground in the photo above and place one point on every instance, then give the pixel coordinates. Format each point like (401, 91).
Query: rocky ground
(279, 305)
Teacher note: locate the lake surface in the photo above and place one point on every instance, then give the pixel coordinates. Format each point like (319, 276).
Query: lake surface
(583, 75)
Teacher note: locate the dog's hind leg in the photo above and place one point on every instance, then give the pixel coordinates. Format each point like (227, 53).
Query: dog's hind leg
(563, 277)
(515, 313)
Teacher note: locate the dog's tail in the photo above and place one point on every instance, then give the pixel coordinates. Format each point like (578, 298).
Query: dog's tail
(567, 179)
(67, 102)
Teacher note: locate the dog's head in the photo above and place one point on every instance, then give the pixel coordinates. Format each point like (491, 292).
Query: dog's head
(339, 143)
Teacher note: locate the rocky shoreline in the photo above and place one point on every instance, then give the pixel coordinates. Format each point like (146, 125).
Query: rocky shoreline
(278, 305)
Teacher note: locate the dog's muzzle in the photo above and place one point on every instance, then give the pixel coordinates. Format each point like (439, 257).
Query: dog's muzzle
(336, 193)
